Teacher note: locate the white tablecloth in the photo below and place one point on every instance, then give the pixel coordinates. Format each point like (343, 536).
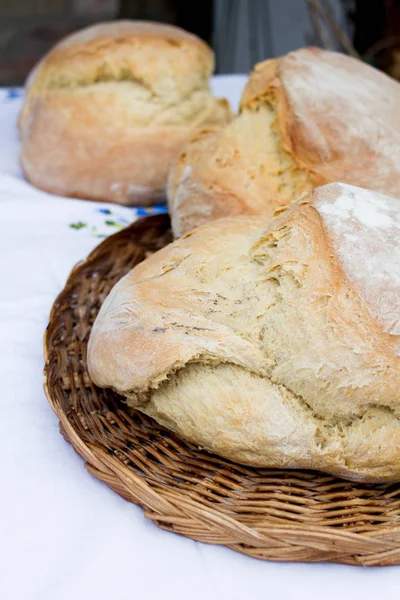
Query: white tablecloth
(63, 534)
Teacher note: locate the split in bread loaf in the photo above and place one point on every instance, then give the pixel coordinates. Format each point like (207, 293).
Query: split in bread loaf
(306, 119)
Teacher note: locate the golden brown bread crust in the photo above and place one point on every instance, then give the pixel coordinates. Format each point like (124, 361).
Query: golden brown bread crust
(306, 119)
(125, 49)
(108, 109)
(197, 196)
(275, 345)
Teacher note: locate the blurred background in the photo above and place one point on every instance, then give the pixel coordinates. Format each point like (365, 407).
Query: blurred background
(242, 32)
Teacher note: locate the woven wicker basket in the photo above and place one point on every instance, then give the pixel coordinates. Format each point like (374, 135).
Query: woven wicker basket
(268, 514)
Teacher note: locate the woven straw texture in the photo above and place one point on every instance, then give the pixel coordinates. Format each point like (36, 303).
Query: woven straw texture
(268, 514)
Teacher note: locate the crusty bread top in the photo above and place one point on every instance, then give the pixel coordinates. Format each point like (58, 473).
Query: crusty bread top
(145, 330)
(113, 78)
(163, 58)
(291, 301)
(338, 116)
(364, 231)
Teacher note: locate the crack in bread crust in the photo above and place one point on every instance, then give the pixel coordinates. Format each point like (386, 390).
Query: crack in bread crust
(242, 168)
(266, 418)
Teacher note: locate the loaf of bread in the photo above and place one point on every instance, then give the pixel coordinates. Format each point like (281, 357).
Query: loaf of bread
(306, 119)
(273, 344)
(109, 108)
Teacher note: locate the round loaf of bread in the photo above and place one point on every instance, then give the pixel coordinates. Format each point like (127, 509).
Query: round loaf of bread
(306, 119)
(109, 108)
(272, 345)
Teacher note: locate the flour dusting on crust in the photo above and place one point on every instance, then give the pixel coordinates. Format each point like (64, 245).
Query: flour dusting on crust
(364, 230)
(345, 118)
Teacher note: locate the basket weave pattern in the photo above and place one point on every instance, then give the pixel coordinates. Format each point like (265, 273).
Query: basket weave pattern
(268, 514)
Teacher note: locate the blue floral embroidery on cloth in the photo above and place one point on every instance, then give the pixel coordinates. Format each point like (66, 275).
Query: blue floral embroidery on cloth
(103, 227)
(143, 211)
(13, 93)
